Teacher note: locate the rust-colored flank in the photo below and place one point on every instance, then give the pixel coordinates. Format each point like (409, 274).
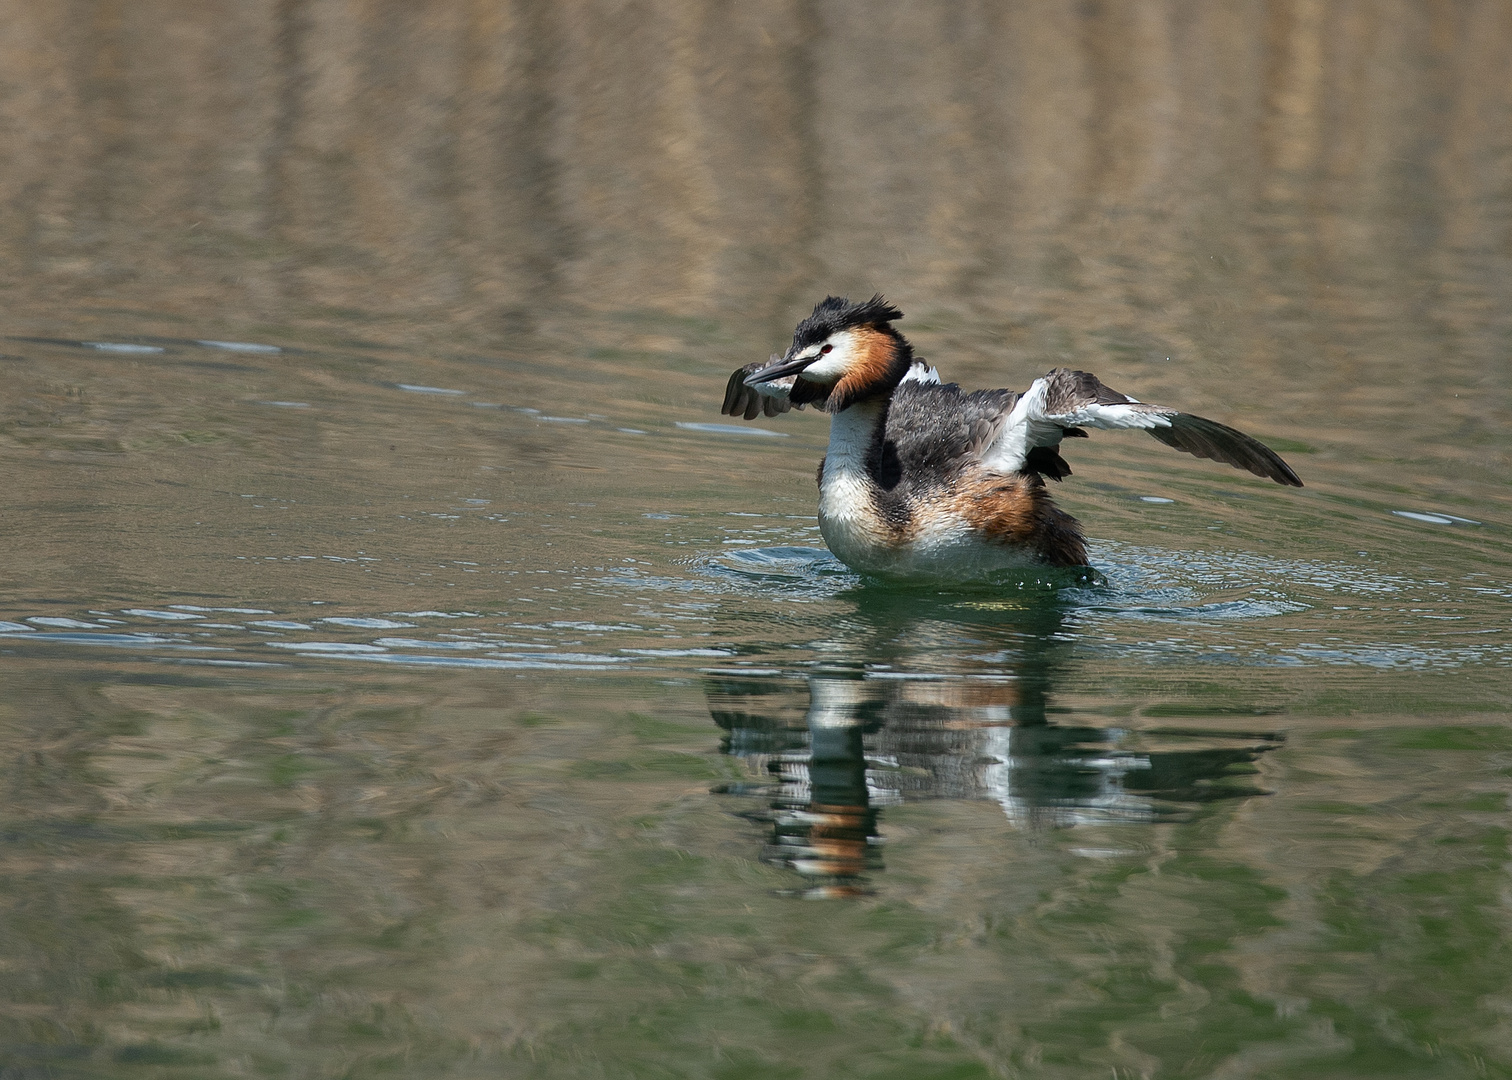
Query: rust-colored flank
(1017, 511)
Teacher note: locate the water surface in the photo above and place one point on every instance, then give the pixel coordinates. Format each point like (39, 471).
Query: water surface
(409, 672)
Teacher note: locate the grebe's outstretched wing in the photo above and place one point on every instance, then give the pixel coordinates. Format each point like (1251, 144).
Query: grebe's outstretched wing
(771, 398)
(763, 399)
(1063, 402)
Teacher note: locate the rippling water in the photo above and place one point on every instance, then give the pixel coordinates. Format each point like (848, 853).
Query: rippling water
(372, 709)
(408, 671)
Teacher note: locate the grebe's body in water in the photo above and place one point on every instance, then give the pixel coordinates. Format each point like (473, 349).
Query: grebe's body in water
(923, 478)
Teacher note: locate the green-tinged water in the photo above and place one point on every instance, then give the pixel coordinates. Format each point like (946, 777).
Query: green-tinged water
(408, 672)
(387, 730)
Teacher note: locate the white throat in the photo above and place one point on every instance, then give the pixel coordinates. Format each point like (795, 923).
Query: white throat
(852, 432)
(848, 518)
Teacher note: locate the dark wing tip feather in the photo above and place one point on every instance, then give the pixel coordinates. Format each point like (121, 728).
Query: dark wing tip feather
(1209, 439)
(746, 402)
(1046, 461)
(738, 396)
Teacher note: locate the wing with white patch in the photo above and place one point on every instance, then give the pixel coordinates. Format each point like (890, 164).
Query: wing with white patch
(1062, 402)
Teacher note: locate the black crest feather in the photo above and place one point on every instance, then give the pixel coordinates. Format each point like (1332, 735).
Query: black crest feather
(839, 313)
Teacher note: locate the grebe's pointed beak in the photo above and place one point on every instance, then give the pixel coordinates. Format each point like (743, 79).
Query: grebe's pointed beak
(779, 367)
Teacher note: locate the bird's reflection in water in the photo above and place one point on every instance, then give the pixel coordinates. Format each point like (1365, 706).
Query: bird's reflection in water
(898, 718)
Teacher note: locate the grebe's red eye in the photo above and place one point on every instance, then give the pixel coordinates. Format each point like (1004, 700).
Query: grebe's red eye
(827, 348)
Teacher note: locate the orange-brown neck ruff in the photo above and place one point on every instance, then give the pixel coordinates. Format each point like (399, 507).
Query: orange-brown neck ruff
(879, 359)
(880, 365)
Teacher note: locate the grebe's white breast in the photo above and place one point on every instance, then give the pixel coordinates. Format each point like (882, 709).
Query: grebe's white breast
(937, 518)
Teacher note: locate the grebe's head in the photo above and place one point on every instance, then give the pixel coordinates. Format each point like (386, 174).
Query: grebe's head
(841, 354)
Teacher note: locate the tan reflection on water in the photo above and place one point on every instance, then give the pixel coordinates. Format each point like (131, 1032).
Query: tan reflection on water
(311, 874)
(1145, 168)
(1304, 205)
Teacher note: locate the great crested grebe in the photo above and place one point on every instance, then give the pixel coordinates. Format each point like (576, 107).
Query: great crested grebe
(924, 478)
